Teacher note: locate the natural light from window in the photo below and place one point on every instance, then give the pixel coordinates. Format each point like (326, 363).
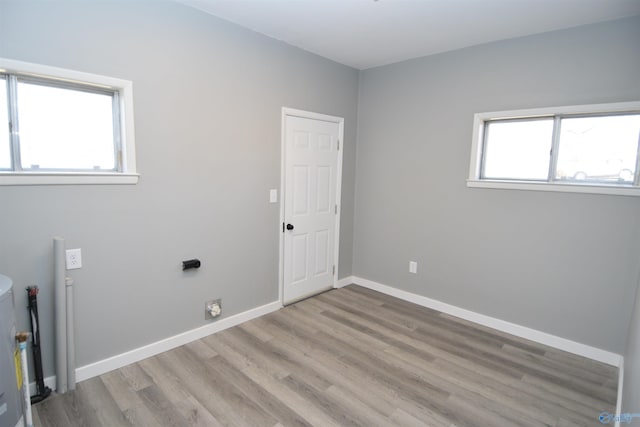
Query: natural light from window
(599, 149)
(65, 129)
(5, 142)
(518, 149)
(582, 149)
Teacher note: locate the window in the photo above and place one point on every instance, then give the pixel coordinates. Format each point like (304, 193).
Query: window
(517, 149)
(5, 143)
(593, 149)
(64, 127)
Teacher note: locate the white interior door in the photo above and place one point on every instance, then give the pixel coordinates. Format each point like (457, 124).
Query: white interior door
(310, 219)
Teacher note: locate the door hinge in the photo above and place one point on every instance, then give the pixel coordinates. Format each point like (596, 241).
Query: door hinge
(334, 270)
(283, 227)
(338, 145)
(336, 209)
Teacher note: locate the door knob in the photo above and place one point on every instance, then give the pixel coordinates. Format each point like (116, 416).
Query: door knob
(289, 226)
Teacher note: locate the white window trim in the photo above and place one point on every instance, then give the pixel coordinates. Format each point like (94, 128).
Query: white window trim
(129, 174)
(474, 180)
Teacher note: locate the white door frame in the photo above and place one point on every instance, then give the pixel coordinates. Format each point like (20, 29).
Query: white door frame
(292, 112)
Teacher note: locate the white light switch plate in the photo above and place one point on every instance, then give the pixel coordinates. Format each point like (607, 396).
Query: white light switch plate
(74, 259)
(273, 196)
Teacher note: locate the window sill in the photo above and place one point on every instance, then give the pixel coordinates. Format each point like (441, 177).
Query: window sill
(31, 178)
(556, 187)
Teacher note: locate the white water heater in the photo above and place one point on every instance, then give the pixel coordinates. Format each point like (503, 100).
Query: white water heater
(10, 397)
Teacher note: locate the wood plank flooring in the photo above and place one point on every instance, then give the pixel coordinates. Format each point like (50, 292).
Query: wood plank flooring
(347, 357)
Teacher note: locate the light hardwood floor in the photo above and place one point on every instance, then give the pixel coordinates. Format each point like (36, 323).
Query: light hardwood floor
(350, 356)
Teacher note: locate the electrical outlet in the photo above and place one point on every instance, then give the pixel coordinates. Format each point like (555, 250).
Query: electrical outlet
(74, 258)
(212, 309)
(413, 267)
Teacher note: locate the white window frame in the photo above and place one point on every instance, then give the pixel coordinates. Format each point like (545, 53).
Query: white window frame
(477, 148)
(128, 173)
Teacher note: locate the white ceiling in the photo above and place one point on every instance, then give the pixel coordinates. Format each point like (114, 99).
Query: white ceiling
(368, 33)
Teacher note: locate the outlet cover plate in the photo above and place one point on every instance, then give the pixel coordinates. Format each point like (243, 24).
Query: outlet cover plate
(74, 258)
(413, 267)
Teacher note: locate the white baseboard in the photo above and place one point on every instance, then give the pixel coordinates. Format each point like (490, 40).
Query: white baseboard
(344, 282)
(511, 328)
(135, 355)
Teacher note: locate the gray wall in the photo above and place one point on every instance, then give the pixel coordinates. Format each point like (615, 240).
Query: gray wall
(207, 105)
(561, 263)
(208, 98)
(631, 382)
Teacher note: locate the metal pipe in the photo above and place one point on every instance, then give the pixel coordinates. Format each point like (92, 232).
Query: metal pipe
(59, 272)
(71, 345)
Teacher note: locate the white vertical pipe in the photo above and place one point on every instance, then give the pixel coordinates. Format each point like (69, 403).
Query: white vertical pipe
(25, 384)
(71, 345)
(59, 272)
